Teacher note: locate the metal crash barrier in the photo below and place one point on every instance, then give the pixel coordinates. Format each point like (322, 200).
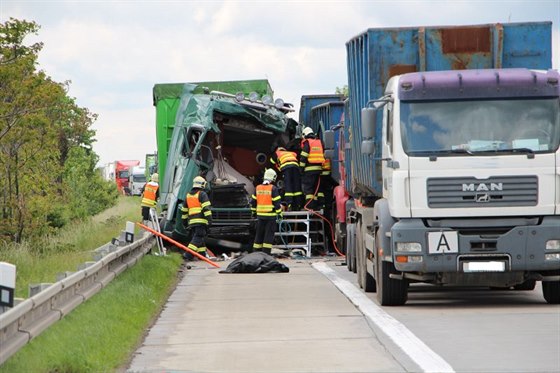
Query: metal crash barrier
(28, 319)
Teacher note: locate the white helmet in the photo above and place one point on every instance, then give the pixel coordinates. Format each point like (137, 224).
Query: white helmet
(307, 131)
(199, 182)
(155, 177)
(269, 175)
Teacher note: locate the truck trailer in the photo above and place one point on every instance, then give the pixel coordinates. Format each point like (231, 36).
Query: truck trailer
(225, 132)
(450, 150)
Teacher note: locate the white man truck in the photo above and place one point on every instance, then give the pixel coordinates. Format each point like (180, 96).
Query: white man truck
(451, 151)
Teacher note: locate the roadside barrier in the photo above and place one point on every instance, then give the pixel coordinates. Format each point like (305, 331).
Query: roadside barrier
(31, 317)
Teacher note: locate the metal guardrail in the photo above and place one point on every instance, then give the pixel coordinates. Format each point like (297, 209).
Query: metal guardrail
(28, 319)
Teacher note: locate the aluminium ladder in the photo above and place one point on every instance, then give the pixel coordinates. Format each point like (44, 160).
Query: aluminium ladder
(300, 229)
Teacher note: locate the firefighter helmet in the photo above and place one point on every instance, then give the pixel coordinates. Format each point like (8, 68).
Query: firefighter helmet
(269, 175)
(199, 182)
(155, 178)
(307, 131)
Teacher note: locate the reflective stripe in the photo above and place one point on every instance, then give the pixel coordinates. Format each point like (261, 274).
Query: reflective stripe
(312, 168)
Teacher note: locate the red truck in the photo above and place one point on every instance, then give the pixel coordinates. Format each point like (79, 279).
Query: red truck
(122, 173)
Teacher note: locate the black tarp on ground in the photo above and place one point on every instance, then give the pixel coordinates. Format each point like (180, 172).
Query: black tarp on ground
(257, 262)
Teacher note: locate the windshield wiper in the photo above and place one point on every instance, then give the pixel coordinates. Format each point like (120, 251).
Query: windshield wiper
(433, 154)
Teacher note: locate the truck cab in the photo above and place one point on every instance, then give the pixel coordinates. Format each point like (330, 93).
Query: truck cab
(470, 173)
(136, 180)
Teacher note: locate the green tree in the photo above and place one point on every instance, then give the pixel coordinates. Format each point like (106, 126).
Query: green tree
(43, 134)
(342, 90)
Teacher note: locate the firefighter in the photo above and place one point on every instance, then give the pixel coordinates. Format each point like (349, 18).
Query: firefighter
(265, 204)
(197, 216)
(150, 195)
(286, 162)
(311, 159)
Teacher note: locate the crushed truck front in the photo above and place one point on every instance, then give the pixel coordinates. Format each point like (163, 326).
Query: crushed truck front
(227, 138)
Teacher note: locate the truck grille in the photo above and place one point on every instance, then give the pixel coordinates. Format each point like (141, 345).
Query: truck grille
(457, 192)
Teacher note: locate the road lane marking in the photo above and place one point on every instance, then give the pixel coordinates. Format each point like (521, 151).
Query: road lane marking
(411, 345)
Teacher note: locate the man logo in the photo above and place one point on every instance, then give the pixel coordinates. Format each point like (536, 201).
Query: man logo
(482, 197)
(482, 187)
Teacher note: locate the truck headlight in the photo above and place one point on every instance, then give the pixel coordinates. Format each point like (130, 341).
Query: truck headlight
(409, 246)
(553, 245)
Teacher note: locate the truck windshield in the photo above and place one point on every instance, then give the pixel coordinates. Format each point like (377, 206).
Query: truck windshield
(480, 126)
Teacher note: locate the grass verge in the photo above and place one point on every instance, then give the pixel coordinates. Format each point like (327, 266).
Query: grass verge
(101, 334)
(40, 261)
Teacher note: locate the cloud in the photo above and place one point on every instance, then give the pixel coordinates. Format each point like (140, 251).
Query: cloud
(114, 52)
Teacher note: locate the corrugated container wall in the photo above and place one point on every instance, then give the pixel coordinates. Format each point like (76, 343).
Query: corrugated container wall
(325, 117)
(308, 102)
(378, 54)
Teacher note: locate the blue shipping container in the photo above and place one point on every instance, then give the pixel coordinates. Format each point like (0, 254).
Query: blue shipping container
(324, 117)
(308, 102)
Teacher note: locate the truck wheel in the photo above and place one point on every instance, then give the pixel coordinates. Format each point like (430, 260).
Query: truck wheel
(390, 292)
(527, 285)
(366, 280)
(551, 291)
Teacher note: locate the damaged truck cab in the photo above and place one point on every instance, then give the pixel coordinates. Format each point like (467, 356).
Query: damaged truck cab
(225, 132)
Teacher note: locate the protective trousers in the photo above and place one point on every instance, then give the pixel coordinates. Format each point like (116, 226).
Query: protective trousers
(198, 242)
(293, 195)
(309, 182)
(264, 235)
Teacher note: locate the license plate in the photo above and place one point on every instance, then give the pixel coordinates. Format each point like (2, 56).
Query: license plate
(492, 266)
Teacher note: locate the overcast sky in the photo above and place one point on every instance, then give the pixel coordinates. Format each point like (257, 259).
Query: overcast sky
(114, 52)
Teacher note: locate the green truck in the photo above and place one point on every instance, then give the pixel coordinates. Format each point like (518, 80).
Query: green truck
(224, 131)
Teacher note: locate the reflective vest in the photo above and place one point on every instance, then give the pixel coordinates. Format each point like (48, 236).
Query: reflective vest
(286, 158)
(195, 209)
(265, 201)
(149, 195)
(315, 157)
(326, 166)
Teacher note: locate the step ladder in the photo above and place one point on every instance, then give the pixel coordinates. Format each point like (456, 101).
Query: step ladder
(300, 229)
(154, 224)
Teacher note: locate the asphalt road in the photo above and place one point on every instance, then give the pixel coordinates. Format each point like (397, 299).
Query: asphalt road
(316, 319)
(479, 329)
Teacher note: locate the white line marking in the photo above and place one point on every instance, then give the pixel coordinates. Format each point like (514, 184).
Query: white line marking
(411, 345)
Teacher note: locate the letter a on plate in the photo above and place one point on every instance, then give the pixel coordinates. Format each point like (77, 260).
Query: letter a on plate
(443, 242)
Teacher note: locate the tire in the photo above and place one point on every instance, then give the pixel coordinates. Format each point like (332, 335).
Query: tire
(551, 291)
(365, 280)
(527, 285)
(390, 292)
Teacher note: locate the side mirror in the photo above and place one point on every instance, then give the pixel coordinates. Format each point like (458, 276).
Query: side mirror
(369, 122)
(328, 139)
(329, 153)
